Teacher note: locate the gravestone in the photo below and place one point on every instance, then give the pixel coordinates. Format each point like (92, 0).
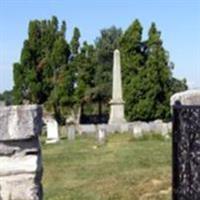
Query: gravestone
(52, 130)
(20, 153)
(117, 102)
(71, 129)
(186, 148)
(188, 97)
(101, 135)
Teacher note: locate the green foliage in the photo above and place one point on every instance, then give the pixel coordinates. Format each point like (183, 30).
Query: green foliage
(75, 41)
(121, 169)
(84, 64)
(105, 45)
(133, 59)
(147, 72)
(7, 97)
(44, 58)
(67, 76)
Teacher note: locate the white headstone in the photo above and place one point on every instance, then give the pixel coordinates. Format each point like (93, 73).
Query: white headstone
(117, 103)
(52, 130)
(101, 134)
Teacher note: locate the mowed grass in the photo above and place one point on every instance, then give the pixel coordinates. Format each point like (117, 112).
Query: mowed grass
(121, 169)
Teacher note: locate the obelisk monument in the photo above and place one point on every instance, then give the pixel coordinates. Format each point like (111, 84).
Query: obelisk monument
(117, 103)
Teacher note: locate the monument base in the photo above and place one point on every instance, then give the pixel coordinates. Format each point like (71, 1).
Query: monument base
(52, 141)
(117, 113)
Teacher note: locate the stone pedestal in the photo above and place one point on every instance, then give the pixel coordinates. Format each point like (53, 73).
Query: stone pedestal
(20, 153)
(117, 103)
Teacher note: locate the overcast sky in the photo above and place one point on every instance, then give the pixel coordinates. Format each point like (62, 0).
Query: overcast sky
(178, 20)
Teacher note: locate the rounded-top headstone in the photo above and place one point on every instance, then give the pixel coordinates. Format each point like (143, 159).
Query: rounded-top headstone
(188, 97)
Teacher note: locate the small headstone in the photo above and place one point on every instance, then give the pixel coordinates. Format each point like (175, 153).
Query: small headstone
(71, 129)
(101, 135)
(137, 132)
(52, 130)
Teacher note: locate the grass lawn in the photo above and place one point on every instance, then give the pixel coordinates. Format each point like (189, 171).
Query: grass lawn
(122, 169)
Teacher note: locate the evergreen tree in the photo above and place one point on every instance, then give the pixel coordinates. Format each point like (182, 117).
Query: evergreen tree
(75, 41)
(7, 97)
(18, 73)
(133, 59)
(156, 78)
(64, 76)
(62, 93)
(43, 55)
(85, 63)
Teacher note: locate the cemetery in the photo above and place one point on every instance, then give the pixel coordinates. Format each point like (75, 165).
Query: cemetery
(96, 154)
(104, 120)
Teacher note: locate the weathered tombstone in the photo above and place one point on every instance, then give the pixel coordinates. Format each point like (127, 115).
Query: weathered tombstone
(52, 130)
(71, 129)
(20, 153)
(186, 145)
(189, 97)
(117, 102)
(101, 135)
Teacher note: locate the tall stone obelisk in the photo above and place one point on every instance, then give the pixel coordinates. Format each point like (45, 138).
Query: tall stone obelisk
(117, 103)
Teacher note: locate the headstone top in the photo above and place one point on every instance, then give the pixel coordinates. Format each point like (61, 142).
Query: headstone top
(20, 122)
(188, 97)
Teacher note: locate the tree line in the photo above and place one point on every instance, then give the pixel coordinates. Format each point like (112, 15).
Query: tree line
(67, 76)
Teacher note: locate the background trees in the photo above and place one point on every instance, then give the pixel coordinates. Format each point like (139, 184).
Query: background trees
(65, 76)
(7, 97)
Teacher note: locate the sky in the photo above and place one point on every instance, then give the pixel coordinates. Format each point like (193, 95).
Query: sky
(178, 21)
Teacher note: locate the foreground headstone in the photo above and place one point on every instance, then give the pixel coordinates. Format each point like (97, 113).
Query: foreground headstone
(20, 153)
(186, 145)
(117, 103)
(188, 97)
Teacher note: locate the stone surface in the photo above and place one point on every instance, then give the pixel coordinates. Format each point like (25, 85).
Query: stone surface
(19, 165)
(71, 132)
(20, 122)
(155, 127)
(101, 135)
(22, 147)
(189, 97)
(138, 128)
(71, 128)
(20, 187)
(52, 130)
(87, 129)
(117, 103)
(113, 128)
(20, 153)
